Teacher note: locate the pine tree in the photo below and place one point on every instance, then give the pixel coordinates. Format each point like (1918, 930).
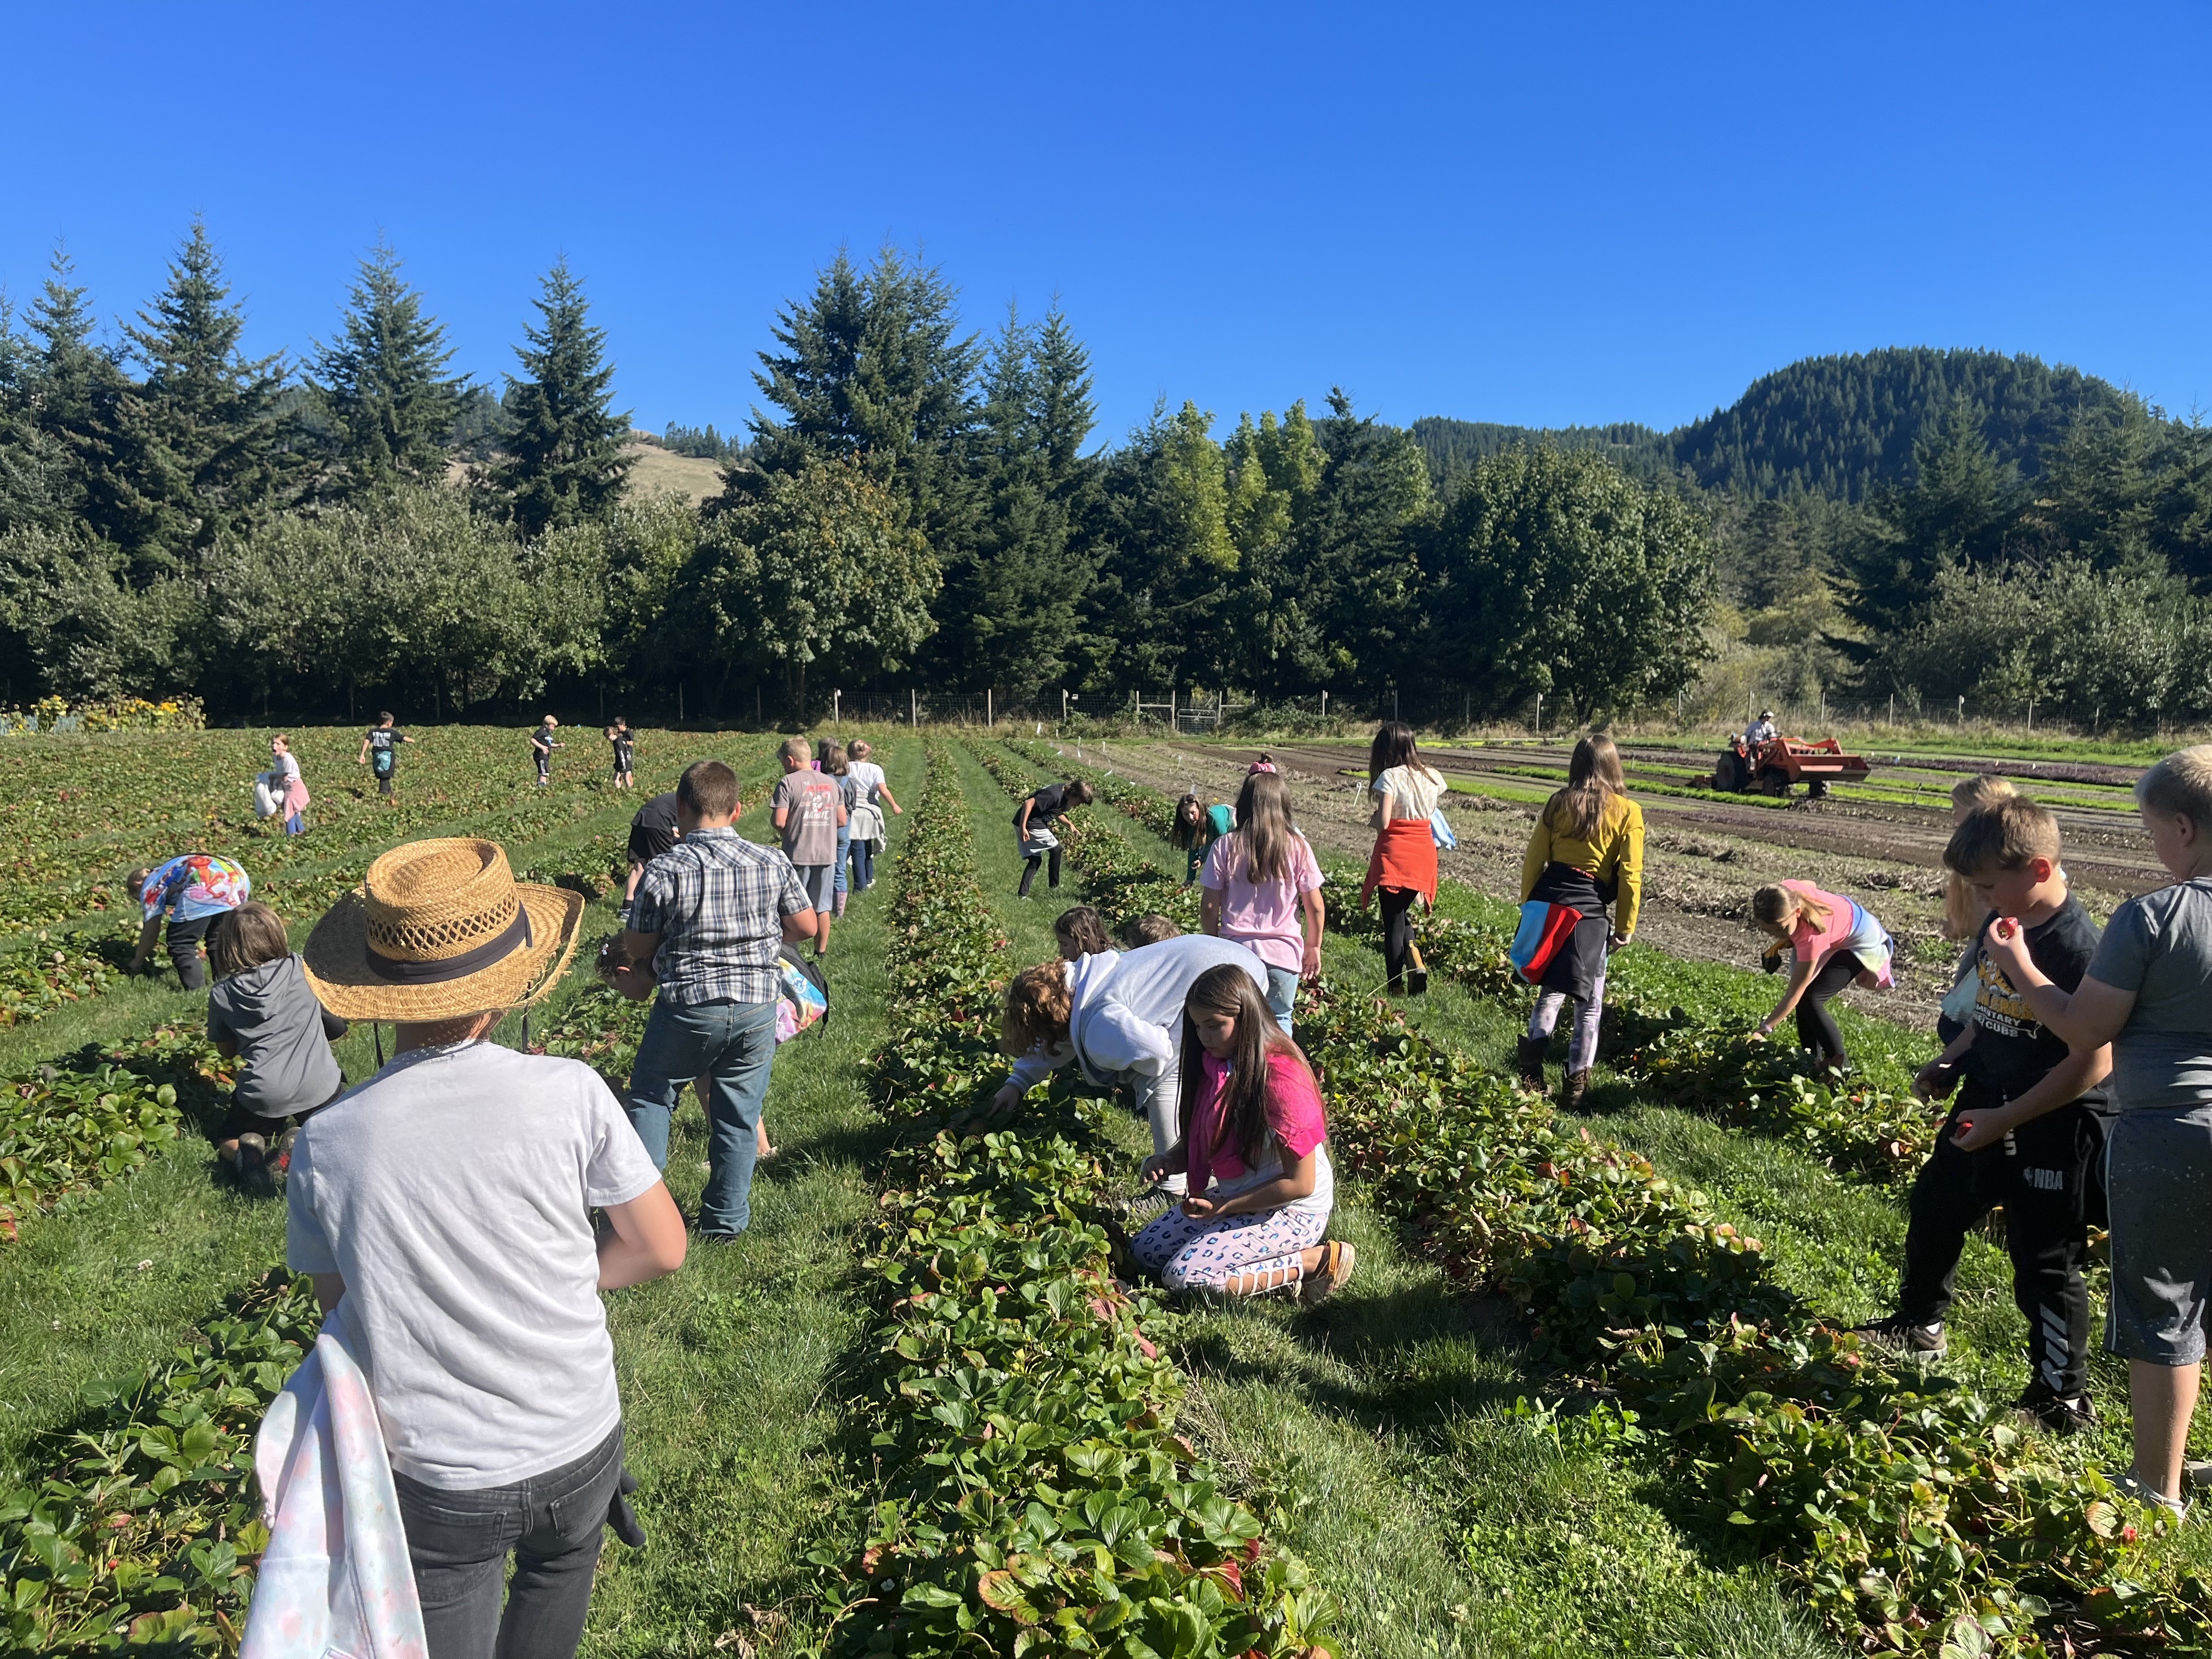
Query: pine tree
(564, 462)
(78, 393)
(204, 441)
(388, 407)
(1957, 510)
(32, 474)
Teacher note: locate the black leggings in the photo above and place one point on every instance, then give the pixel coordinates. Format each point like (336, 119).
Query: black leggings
(1397, 932)
(1029, 869)
(1816, 1026)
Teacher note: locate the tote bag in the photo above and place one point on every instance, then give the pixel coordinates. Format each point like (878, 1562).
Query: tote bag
(1544, 931)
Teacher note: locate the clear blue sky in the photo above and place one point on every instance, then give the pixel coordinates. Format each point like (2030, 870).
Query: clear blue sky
(1537, 214)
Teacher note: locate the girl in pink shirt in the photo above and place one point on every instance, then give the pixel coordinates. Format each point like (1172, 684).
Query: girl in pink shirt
(1255, 1149)
(1833, 942)
(1263, 889)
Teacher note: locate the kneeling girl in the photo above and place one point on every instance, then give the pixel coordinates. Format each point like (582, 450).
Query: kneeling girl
(1255, 1148)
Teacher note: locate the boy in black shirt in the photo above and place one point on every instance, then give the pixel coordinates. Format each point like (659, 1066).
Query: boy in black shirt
(541, 747)
(2028, 1129)
(381, 746)
(623, 741)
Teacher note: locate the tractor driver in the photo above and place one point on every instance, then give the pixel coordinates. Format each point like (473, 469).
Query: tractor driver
(1760, 730)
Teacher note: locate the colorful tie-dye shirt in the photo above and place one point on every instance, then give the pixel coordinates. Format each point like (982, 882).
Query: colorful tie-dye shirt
(195, 885)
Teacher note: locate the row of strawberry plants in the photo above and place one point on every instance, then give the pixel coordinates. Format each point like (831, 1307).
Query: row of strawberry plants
(1911, 1514)
(1038, 1497)
(1870, 1125)
(144, 1532)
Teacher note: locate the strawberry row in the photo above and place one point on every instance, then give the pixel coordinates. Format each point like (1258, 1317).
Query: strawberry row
(1910, 1513)
(1037, 1499)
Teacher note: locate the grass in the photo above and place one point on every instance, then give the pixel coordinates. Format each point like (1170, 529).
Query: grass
(1378, 1438)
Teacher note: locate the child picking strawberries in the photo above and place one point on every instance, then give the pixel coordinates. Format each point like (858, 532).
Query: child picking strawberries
(1255, 1148)
(2028, 1130)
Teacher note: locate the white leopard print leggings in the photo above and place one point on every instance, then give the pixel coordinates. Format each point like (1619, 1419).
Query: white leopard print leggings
(1190, 1256)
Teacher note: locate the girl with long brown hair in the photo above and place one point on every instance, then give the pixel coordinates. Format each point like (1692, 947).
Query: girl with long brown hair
(1263, 889)
(1586, 853)
(1403, 865)
(1834, 942)
(1254, 1149)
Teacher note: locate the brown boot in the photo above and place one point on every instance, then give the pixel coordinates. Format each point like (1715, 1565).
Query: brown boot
(1529, 1055)
(1572, 1090)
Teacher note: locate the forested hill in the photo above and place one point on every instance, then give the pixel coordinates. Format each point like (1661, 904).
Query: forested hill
(1834, 427)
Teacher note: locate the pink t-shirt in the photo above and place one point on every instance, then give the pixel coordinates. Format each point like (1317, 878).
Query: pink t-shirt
(1294, 1112)
(1265, 917)
(1849, 928)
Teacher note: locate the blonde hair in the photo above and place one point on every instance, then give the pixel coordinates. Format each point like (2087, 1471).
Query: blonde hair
(1039, 1004)
(2180, 786)
(1983, 789)
(1779, 905)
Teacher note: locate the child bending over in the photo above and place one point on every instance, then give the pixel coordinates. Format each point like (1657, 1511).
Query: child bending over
(1255, 1148)
(1835, 942)
(263, 1011)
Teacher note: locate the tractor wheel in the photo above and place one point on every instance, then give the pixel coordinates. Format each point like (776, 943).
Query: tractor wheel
(1817, 788)
(1773, 781)
(1727, 772)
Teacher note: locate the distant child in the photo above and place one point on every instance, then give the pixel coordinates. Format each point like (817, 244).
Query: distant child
(1403, 865)
(1586, 853)
(1081, 932)
(1962, 914)
(542, 746)
(1255, 1149)
(1197, 827)
(807, 810)
(2028, 1130)
(867, 795)
(1836, 943)
(263, 1011)
(832, 764)
(379, 752)
(1263, 888)
(623, 741)
(1148, 929)
(289, 784)
(1033, 820)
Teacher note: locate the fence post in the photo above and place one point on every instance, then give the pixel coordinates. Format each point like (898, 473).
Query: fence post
(913, 707)
(990, 715)
(1539, 714)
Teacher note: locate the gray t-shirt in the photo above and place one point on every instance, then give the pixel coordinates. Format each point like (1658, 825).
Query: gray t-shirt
(2160, 946)
(283, 1036)
(450, 1190)
(809, 833)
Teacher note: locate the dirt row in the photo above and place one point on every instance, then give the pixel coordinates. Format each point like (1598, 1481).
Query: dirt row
(1702, 860)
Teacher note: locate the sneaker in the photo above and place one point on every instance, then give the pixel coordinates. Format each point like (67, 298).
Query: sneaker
(1337, 1261)
(2197, 1475)
(2128, 1484)
(1900, 1336)
(2059, 1414)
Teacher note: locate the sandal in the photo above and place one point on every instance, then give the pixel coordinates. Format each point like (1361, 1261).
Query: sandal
(1337, 1261)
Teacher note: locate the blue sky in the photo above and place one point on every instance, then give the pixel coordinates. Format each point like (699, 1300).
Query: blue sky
(1545, 215)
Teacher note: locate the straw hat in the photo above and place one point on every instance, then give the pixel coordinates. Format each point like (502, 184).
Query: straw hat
(438, 929)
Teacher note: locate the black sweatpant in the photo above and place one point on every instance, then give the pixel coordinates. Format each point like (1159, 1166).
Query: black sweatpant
(1397, 932)
(183, 943)
(2048, 1175)
(1816, 1026)
(1029, 869)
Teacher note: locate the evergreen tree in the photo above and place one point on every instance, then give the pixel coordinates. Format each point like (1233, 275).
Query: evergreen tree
(33, 478)
(202, 443)
(388, 407)
(78, 392)
(564, 462)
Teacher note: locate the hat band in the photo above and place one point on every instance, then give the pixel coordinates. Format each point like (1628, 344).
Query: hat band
(451, 967)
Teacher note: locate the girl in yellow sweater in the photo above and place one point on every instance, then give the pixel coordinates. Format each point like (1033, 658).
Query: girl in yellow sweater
(1587, 853)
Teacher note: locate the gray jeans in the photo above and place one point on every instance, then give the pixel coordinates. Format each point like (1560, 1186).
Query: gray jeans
(458, 1542)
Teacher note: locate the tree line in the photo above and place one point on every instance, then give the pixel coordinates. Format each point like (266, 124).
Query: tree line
(914, 503)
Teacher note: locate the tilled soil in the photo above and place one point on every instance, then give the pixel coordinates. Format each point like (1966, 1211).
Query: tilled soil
(1701, 861)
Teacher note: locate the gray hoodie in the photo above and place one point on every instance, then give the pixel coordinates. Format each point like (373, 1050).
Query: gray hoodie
(283, 1037)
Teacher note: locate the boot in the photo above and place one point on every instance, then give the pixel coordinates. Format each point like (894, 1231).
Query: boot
(1572, 1090)
(1529, 1055)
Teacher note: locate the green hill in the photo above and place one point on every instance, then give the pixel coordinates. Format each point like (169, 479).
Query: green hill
(1835, 426)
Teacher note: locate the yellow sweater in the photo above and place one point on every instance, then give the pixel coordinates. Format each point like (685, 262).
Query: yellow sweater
(1617, 849)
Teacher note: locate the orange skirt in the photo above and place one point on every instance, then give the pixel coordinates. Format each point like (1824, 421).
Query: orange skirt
(1405, 855)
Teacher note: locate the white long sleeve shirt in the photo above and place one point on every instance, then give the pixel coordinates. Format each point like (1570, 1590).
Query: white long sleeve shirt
(1127, 1008)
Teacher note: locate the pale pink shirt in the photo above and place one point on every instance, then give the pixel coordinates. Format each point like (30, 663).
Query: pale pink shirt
(1263, 916)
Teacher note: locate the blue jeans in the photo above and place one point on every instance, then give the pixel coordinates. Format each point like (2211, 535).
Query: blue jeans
(731, 1046)
(863, 865)
(458, 1542)
(1282, 994)
(844, 843)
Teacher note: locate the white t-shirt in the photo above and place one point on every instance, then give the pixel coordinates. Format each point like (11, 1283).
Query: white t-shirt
(867, 778)
(1405, 791)
(450, 1190)
(1127, 1007)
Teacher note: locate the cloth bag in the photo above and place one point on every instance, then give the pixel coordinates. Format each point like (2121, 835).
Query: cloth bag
(1545, 929)
(802, 994)
(268, 794)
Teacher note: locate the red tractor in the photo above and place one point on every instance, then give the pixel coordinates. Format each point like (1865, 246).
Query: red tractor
(1772, 767)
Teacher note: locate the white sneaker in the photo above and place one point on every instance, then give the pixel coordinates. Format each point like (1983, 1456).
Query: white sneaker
(2130, 1485)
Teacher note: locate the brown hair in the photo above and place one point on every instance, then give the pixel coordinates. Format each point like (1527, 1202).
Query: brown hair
(834, 762)
(135, 883)
(2180, 786)
(860, 748)
(1080, 793)
(1774, 904)
(1148, 929)
(1039, 1004)
(1082, 933)
(1393, 745)
(1983, 789)
(249, 936)
(709, 788)
(1593, 778)
(1185, 835)
(1229, 990)
(2005, 835)
(1265, 827)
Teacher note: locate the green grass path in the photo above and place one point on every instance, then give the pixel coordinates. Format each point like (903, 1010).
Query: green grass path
(1376, 1436)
